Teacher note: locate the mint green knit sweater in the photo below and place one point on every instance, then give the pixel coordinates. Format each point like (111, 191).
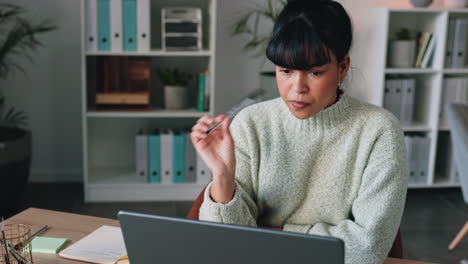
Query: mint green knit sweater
(340, 173)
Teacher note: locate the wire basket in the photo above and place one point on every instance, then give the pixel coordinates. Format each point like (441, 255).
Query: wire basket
(16, 234)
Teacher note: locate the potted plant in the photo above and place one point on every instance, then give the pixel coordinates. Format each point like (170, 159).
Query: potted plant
(175, 88)
(402, 50)
(18, 37)
(247, 25)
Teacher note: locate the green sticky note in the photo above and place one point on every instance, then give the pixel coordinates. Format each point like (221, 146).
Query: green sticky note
(47, 244)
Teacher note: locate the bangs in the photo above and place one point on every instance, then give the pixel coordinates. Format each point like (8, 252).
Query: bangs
(297, 45)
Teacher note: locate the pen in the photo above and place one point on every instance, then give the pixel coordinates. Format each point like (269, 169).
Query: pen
(7, 255)
(233, 111)
(25, 242)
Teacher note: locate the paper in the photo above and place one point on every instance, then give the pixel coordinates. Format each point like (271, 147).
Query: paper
(104, 246)
(47, 244)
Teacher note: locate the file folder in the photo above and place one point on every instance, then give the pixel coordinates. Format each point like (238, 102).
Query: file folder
(167, 149)
(141, 151)
(143, 24)
(203, 173)
(190, 160)
(154, 148)
(91, 25)
(116, 25)
(129, 25)
(179, 158)
(104, 41)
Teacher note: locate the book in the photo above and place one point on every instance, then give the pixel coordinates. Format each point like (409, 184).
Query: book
(105, 245)
(428, 54)
(201, 92)
(423, 42)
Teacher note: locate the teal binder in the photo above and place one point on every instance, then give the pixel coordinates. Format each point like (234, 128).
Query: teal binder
(179, 158)
(104, 41)
(154, 154)
(130, 24)
(201, 92)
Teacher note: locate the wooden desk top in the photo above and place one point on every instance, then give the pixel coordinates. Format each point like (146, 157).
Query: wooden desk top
(75, 227)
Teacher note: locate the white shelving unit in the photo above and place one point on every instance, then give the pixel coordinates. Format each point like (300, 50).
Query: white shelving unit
(108, 136)
(381, 23)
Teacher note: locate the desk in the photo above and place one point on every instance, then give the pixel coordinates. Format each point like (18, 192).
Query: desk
(75, 227)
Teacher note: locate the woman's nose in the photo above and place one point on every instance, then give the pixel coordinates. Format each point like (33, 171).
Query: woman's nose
(299, 84)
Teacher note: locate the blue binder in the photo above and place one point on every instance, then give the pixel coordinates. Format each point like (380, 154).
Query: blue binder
(179, 158)
(154, 156)
(104, 41)
(130, 24)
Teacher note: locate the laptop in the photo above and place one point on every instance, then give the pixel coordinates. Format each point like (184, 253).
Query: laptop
(153, 239)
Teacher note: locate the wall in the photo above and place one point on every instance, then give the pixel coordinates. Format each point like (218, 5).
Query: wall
(50, 92)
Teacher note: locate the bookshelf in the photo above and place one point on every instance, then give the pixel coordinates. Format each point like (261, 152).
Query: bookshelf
(109, 134)
(377, 27)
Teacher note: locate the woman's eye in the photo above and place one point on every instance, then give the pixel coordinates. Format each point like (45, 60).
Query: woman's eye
(285, 71)
(316, 73)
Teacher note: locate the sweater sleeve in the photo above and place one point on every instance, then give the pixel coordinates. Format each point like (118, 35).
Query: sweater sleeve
(377, 210)
(242, 209)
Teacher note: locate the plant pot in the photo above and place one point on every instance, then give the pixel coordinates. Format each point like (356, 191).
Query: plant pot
(455, 3)
(268, 84)
(175, 97)
(401, 53)
(421, 3)
(15, 161)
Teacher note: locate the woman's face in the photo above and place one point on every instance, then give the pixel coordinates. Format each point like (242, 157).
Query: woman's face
(308, 92)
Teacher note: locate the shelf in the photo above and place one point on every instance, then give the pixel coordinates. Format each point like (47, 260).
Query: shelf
(416, 128)
(455, 71)
(410, 71)
(191, 113)
(434, 185)
(429, 10)
(181, 53)
(109, 185)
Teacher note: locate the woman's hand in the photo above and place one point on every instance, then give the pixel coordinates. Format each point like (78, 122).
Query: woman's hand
(217, 151)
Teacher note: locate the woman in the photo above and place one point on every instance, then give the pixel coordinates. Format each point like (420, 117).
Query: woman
(314, 160)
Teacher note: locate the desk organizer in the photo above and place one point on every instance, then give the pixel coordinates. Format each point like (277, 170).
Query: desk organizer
(16, 234)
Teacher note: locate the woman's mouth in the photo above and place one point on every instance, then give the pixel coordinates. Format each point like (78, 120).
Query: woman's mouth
(299, 104)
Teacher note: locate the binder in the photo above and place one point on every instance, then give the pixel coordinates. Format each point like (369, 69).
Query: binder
(206, 103)
(179, 158)
(116, 25)
(450, 43)
(407, 103)
(424, 39)
(129, 25)
(154, 153)
(143, 24)
(91, 25)
(203, 172)
(408, 146)
(458, 56)
(167, 149)
(104, 40)
(190, 160)
(424, 148)
(395, 97)
(413, 159)
(141, 151)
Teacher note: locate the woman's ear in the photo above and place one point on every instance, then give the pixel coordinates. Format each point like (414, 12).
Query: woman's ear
(344, 66)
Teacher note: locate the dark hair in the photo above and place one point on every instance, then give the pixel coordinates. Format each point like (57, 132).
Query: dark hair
(307, 31)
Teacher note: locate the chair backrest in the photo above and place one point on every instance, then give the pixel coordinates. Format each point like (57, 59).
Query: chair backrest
(457, 115)
(395, 252)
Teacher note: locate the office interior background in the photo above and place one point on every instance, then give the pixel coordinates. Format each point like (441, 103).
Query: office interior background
(50, 92)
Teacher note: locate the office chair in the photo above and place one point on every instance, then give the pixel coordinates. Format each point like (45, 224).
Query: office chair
(395, 252)
(457, 115)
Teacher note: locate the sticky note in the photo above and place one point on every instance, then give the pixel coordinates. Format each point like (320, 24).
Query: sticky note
(47, 244)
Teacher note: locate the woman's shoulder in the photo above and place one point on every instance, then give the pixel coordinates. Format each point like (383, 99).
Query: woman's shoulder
(260, 111)
(373, 116)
